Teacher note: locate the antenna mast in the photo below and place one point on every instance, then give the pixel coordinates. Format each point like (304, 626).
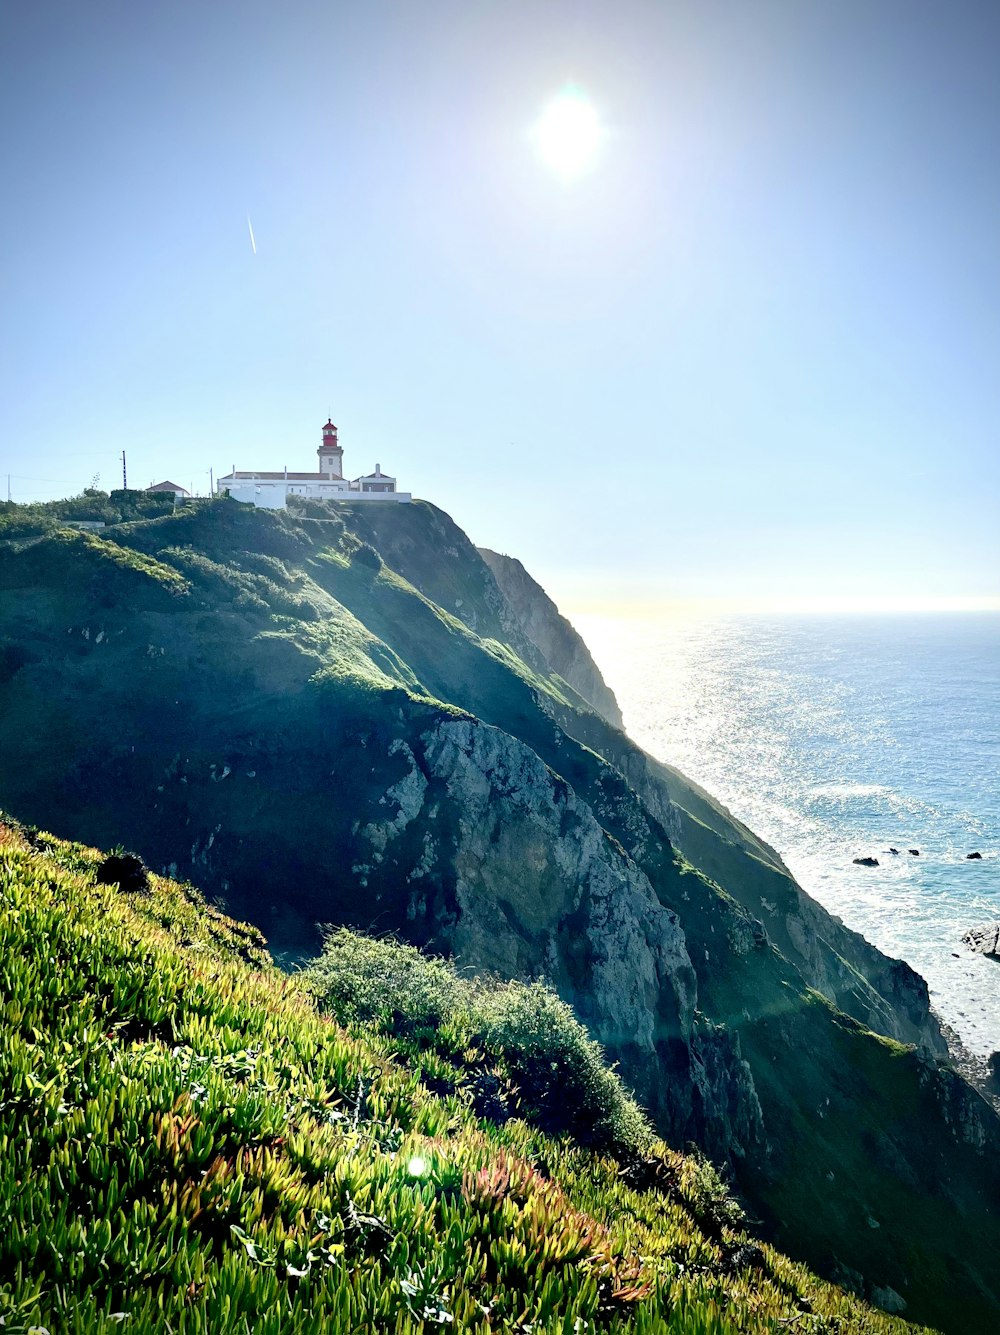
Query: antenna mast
(124, 475)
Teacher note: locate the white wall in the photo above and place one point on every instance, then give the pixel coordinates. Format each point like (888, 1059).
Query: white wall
(274, 495)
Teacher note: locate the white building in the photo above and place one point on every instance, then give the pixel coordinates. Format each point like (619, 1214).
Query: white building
(270, 491)
(171, 488)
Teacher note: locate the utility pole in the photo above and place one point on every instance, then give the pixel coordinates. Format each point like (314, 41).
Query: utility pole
(211, 482)
(124, 474)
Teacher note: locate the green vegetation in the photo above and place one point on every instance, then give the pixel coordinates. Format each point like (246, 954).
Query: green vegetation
(508, 1045)
(93, 506)
(92, 566)
(189, 1145)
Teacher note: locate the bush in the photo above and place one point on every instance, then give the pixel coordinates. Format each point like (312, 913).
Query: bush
(523, 1031)
(367, 556)
(126, 870)
(707, 1195)
(393, 987)
(560, 1071)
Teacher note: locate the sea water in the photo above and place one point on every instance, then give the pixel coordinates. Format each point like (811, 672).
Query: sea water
(842, 737)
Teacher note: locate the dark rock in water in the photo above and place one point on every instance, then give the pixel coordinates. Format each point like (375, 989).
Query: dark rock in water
(894, 850)
(984, 940)
(914, 851)
(126, 870)
(866, 862)
(973, 857)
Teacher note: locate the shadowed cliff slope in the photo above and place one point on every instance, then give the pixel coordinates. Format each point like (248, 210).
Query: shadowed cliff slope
(559, 644)
(336, 716)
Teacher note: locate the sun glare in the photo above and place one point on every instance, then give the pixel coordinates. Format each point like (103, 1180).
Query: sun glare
(569, 134)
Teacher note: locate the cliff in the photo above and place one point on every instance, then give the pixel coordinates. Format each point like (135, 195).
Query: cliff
(559, 644)
(336, 716)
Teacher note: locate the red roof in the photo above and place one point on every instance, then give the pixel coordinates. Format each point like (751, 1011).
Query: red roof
(329, 423)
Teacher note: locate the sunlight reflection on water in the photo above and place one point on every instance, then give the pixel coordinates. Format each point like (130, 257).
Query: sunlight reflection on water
(835, 738)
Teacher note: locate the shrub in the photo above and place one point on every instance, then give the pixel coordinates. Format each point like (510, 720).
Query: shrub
(546, 1058)
(126, 870)
(560, 1071)
(362, 980)
(366, 555)
(708, 1196)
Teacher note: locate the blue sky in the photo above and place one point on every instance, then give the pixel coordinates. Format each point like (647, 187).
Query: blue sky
(752, 355)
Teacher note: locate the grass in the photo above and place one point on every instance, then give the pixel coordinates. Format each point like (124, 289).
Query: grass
(188, 1144)
(106, 573)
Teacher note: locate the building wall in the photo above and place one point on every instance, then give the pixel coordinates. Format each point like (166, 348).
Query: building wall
(331, 462)
(274, 495)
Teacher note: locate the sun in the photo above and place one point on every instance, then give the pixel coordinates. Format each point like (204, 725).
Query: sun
(569, 134)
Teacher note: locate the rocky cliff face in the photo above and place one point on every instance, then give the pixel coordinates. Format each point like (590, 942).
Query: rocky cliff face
(559, 644)
(537, 888)
(322, 734)
(885, 994)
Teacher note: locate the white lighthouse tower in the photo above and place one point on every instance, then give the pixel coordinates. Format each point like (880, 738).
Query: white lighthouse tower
(330, 453)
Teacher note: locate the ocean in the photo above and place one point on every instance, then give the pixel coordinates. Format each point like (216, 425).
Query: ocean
(840, 737)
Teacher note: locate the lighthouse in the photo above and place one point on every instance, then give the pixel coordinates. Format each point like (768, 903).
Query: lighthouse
(330, 453)
(272, 489)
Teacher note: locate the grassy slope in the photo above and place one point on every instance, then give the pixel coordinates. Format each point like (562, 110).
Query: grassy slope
(188, 1145)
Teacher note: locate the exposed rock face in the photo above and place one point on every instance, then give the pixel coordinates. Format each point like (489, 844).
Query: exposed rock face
(540, 890)
(888, 1299)
(971, 1118)
(559, 644)
(984, 940)
(884, 994)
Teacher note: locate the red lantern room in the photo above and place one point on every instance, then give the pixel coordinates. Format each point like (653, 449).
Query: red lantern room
(329, 433)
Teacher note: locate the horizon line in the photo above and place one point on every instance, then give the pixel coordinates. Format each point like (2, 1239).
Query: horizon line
(833, 605)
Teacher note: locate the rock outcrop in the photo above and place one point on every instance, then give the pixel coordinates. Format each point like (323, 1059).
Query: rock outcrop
(984, 940)
(540, 890)
(558, 642)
